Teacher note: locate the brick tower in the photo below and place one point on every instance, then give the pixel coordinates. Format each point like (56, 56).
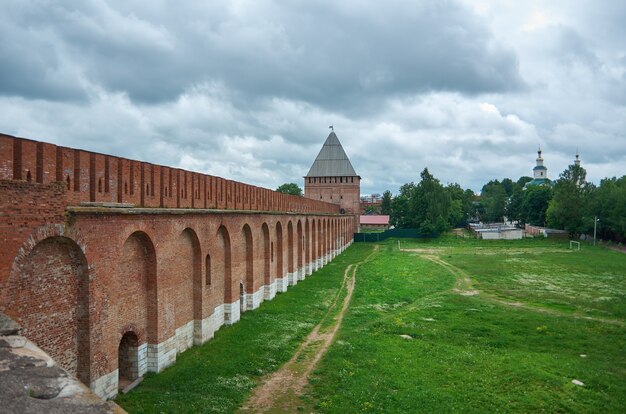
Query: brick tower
(332, 178)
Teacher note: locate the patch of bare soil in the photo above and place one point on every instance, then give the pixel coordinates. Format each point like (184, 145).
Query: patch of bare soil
(279, 392)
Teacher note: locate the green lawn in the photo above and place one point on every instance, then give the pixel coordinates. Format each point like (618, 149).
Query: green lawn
(218, 376)
(472, 353)
(467, 353)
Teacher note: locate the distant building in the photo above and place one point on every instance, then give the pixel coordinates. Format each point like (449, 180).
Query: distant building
(545, 232)
(333, 179)
(371, 204)
(374, 222)
(496, 231)
(540, 174)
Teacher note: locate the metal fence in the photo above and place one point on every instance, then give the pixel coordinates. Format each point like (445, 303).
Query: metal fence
(377, 237)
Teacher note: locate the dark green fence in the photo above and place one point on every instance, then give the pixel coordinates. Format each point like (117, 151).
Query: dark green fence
(375, 237)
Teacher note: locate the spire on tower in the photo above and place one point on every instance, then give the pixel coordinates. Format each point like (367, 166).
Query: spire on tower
(577, 161)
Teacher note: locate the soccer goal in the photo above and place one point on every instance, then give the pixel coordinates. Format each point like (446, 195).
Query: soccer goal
(572, 243)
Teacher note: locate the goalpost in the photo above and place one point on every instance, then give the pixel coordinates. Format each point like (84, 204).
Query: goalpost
(572, 242)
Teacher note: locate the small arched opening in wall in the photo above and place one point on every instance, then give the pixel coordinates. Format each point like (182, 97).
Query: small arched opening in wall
(128, 359)
(266, 254)
(47, 293)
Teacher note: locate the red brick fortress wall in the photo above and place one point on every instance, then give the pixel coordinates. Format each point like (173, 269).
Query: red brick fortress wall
(112, 292)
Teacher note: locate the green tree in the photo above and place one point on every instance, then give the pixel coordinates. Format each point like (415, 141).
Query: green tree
(370, 210)
(494, 200)
(523, 180)
(385, 204)
(431, 204)
(430, 207)
(508, 185)
(568, 208)
(514, 205)
(290, 188)
(402, 215)
(608, 203)
(494, 197)
(535, 204)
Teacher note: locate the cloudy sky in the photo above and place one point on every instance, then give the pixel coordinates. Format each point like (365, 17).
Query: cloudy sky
(247, 89)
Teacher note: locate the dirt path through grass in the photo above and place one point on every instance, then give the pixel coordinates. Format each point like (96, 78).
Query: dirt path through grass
(279, 392)
(463, 286)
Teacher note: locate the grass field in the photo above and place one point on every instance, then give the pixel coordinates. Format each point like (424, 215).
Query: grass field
(446, 325)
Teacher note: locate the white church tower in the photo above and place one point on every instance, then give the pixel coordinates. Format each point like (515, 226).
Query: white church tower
(540, 171)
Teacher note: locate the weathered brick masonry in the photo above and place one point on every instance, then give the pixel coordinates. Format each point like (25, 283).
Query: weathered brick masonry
(115, 266)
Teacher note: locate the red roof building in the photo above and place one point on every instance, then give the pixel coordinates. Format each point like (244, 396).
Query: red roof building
(374, 222)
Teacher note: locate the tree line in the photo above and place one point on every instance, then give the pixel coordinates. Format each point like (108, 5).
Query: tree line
(571, 203)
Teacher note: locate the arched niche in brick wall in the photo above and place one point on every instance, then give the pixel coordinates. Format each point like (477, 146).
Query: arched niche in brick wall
(222, 263)
(313, 240)
(136, 287)
(320, 238)
(248, 250)
(267, 254)
(187, 271)
(290, 247)
(47, 293)
(300, 244)
(280, 271)
(307, 242)
(327, 238)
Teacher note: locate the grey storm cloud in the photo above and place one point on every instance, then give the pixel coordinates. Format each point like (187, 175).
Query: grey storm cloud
(323, 53)
(247, 89)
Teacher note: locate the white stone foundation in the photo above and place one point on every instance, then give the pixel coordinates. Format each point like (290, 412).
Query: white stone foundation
(105, 387)
(253, 300)
(206, 328)
(162, 355)
(270, 291)
(184, 337)
(282, 283)
(292, 278)
(301, 273)
(232, 312)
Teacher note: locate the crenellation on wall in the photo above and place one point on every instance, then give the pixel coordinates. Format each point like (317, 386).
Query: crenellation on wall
(104, 178)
